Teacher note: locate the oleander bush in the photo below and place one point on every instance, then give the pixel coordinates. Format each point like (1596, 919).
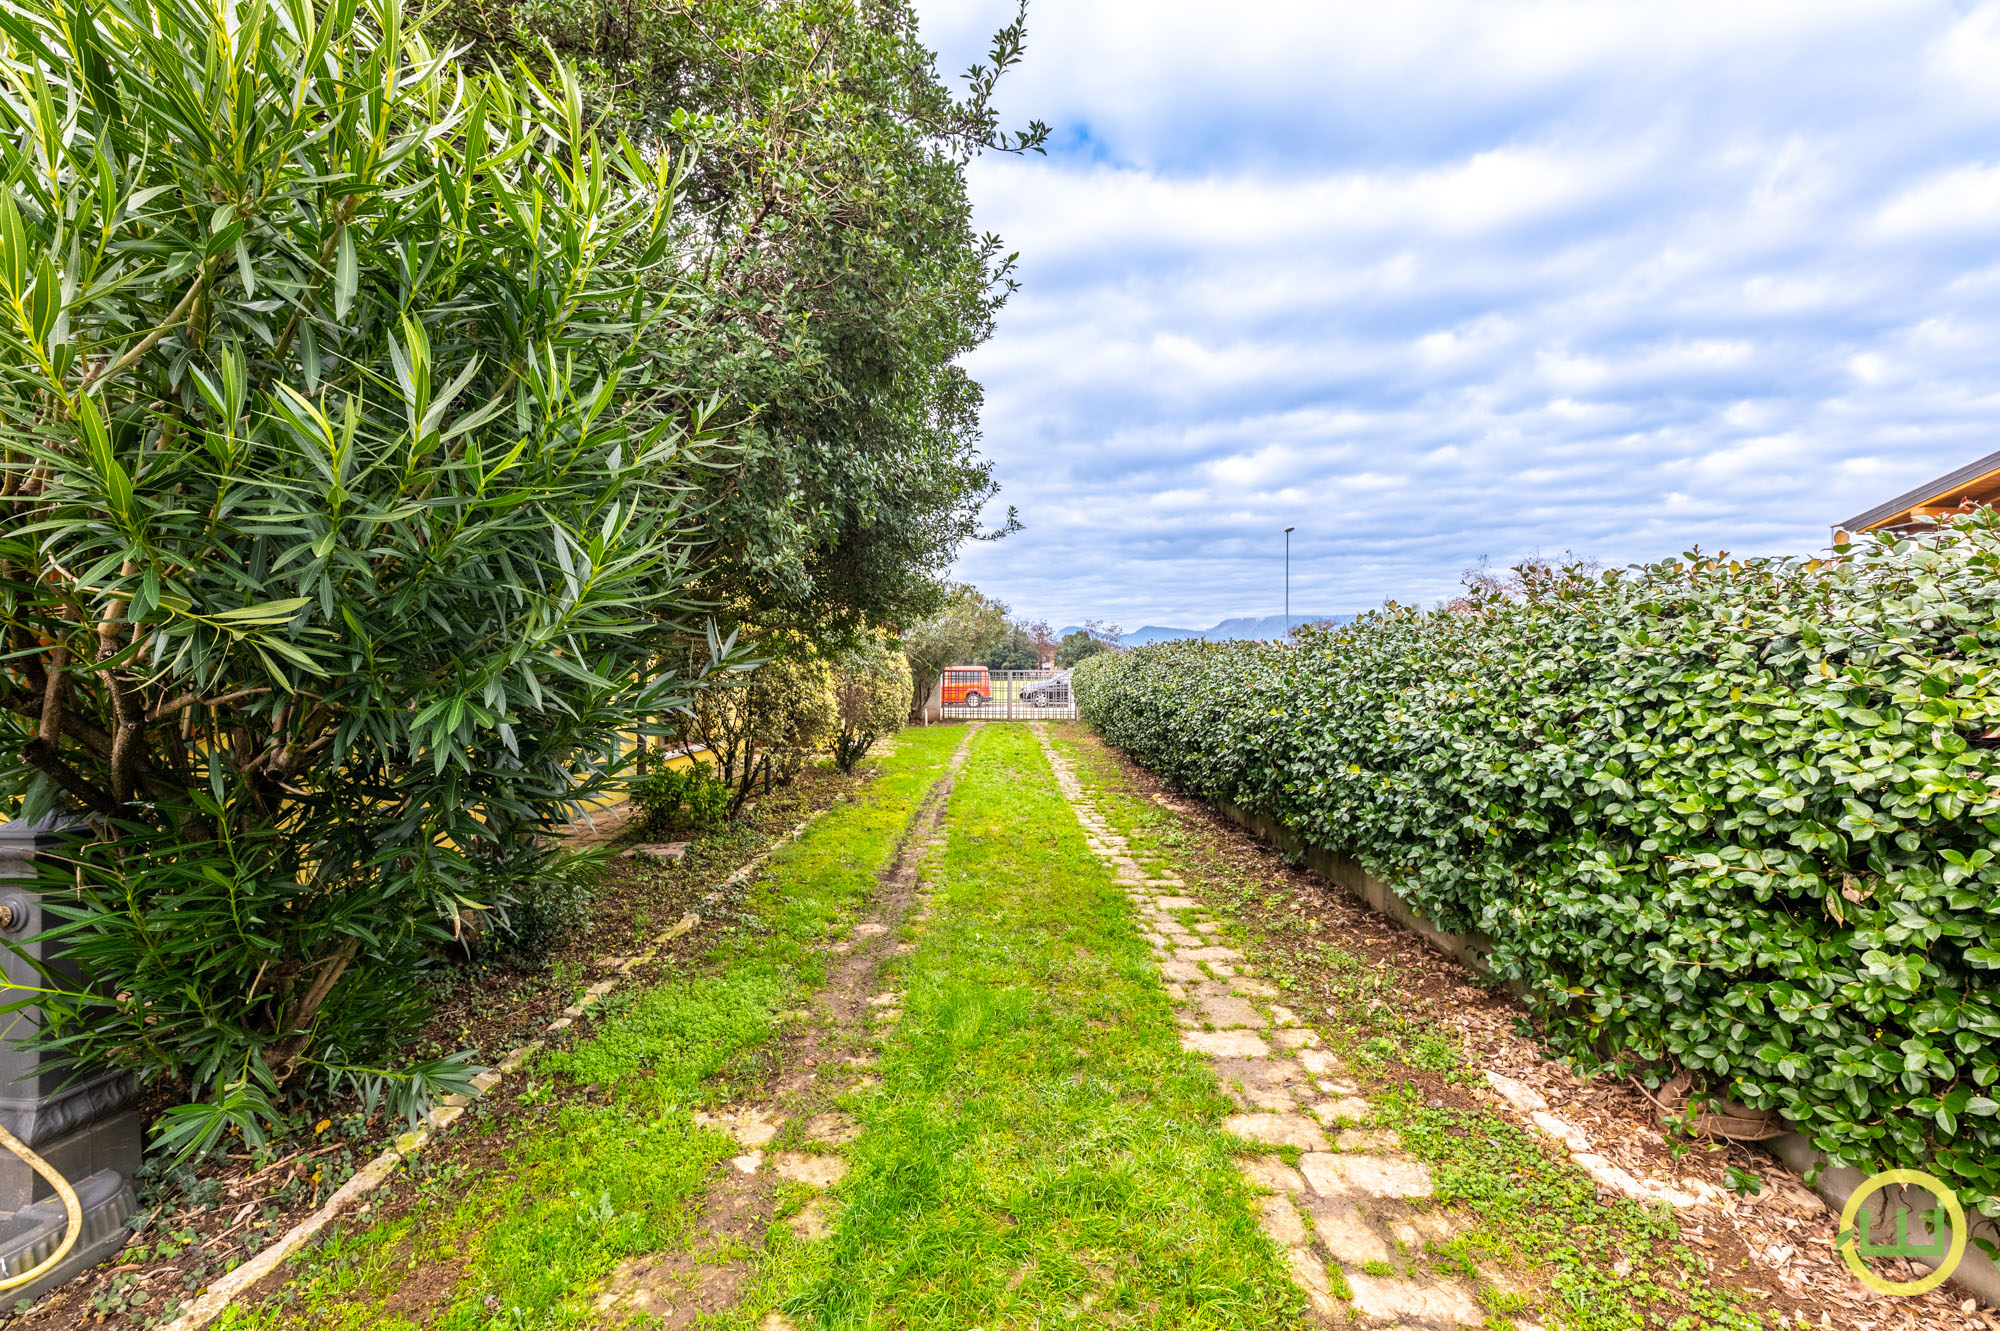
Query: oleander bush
(1737, 817)
(342, 517)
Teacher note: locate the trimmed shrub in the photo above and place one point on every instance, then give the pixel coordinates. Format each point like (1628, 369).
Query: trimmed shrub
(681, 799)
(871, 692)
(767, 722)
(1732, 816)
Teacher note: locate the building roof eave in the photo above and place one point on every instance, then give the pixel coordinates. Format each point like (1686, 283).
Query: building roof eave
(1971, 471)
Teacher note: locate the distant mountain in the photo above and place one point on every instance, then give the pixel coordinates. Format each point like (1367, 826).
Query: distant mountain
(1267, 628)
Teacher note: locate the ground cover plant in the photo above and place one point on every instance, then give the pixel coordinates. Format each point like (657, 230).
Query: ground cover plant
(1040, 1148)
(598, 1157)
(1731, 816)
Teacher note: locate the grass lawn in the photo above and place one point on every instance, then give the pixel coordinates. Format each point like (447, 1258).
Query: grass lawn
(1040, 1151)
(1034, 1148)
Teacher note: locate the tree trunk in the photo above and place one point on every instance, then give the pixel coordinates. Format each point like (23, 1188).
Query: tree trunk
(285, 1053)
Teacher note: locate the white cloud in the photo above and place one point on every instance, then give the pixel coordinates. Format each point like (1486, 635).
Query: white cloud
(1963, 199)
(1438, 281)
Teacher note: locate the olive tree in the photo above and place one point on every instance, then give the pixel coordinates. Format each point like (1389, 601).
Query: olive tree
(843, 279)
(1015, 651)
(340, 515)
(1078, 646)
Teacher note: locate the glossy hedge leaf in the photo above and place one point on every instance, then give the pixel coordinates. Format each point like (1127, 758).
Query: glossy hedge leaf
(1733, 816)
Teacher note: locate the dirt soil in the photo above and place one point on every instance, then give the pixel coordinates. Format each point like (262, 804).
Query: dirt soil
(197, 1226)
(1778, 1245)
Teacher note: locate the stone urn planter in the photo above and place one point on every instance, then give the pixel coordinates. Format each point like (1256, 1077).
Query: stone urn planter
(80, 1120)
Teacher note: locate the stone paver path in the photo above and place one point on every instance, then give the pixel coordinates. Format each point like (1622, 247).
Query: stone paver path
(1349, 1198)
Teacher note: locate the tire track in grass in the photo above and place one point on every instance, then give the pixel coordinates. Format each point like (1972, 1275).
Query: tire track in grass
(792, 1136)
(1040, 1151)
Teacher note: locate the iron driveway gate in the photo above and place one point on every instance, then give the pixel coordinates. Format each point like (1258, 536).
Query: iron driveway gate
(1005, 695)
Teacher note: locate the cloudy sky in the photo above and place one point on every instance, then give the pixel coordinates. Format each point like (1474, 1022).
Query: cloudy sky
(1437, 282)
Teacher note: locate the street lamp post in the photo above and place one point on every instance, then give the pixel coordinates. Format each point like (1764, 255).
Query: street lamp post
(1288, 581)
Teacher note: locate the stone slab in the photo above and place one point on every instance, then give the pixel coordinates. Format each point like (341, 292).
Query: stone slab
(1225, 1044)
(1260, 1083)
(815, 1171)
(1384, 1298)
(1365, 1176)
(1228, 1010)
(1518, 1094)
(811, 1221)
(1420, 1227)
(749, 1127)
(1208, 954)
(1614, 1178)
(1349, 1236)
(1367, 1141)
(1320, 1063)
(1271, 1172)
(658, 850)
(1564, 1131)
(834, 1129)
(1279, 1220)
(1277, 1130)
(1310, 1275)
(1346, 1110)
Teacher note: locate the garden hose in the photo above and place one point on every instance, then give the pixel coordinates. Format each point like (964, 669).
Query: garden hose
(63, 1190)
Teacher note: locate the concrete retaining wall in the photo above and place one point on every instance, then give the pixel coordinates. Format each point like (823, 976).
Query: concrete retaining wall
(1977, 1273)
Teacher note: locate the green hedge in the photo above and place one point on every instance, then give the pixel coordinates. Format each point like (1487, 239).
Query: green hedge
(1733, 816)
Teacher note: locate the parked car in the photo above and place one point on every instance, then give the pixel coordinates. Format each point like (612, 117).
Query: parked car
(967, 686)
(1050, 692)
